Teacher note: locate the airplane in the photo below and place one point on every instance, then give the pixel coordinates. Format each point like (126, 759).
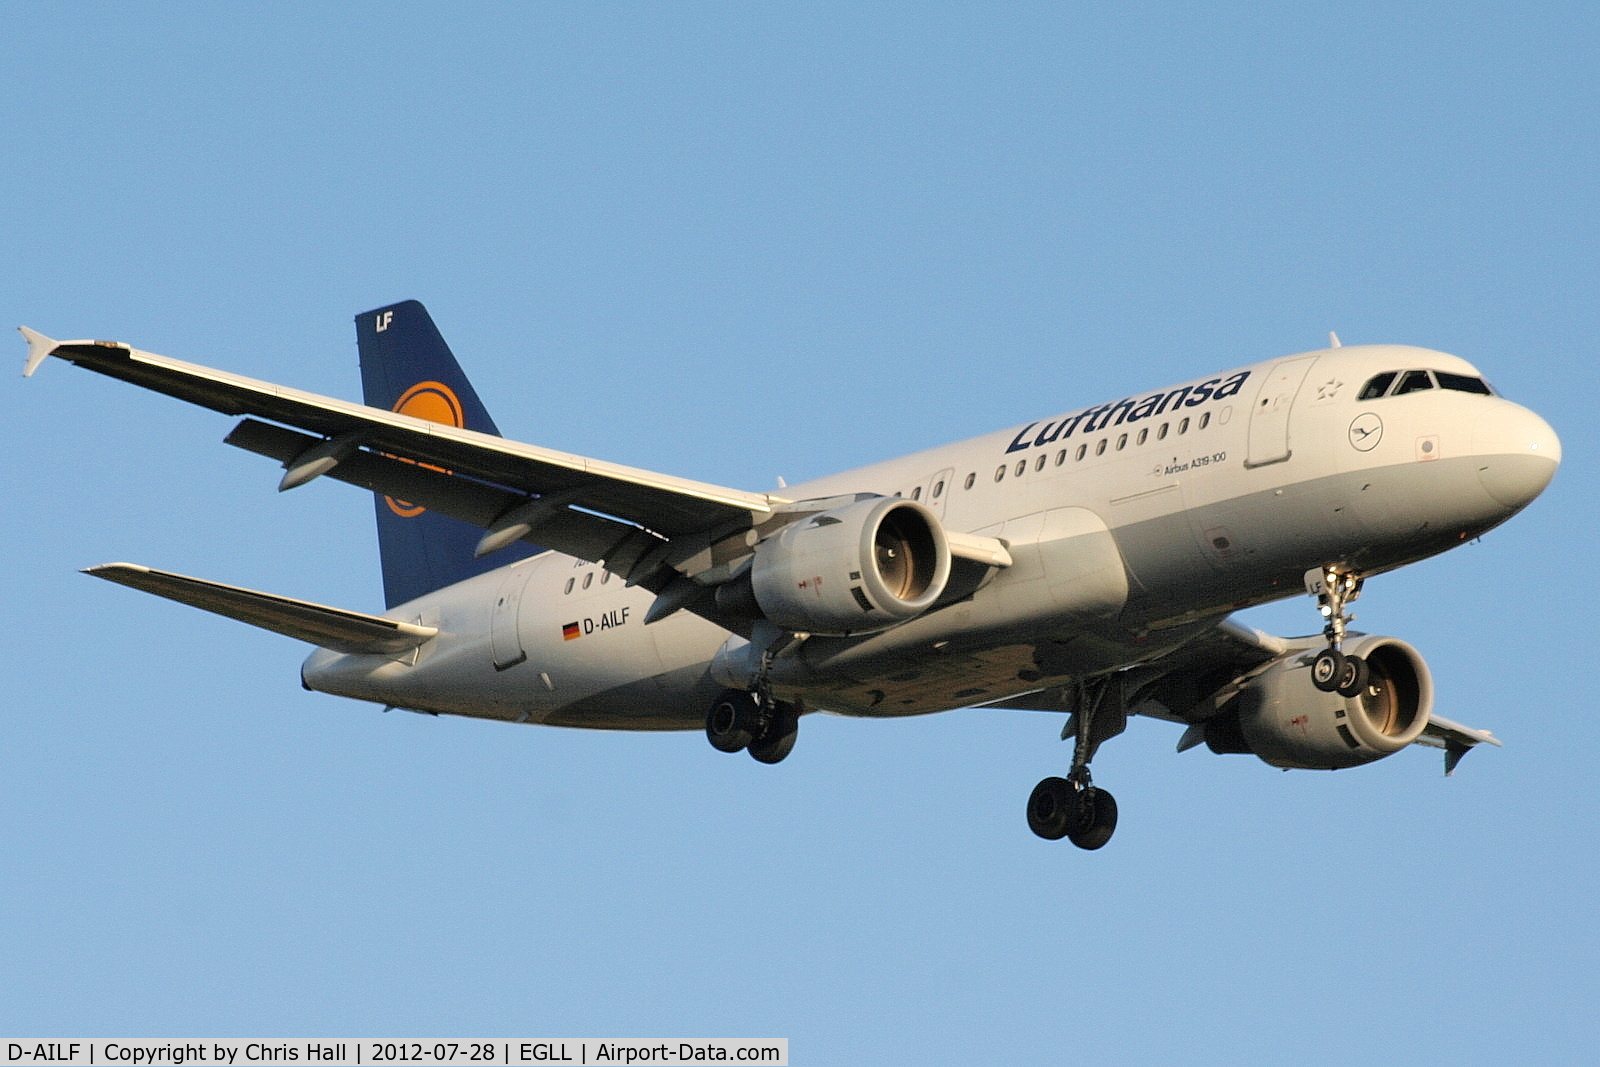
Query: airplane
(1086, 563)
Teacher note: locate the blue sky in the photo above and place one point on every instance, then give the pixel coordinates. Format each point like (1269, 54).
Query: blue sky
(737, 242)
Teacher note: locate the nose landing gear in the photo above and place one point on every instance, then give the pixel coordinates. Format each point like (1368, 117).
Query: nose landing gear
(1332, 671)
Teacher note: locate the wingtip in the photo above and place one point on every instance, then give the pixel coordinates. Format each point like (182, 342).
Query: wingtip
(39, 346)
(104, 570)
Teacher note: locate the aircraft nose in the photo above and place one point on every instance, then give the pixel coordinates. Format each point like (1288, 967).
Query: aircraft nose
(1518, 453)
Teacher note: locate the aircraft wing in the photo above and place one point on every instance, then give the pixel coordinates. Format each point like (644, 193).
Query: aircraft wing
(335, 628)
(1455, 739)
(1188, 684)
(645, 526)
(581, 506)
(1237, 649)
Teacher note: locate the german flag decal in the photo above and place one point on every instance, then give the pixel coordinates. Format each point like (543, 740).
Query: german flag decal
(571, 632)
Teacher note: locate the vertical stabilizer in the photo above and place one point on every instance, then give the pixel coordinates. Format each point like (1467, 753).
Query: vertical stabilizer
(407, 367)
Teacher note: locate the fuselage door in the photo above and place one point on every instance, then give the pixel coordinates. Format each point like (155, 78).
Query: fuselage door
(1269, 417)
(504, 639)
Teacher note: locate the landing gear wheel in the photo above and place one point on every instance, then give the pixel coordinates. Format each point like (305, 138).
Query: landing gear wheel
(1098, 817)
(731, 722)
(1327, 670)
(1052, 808)
(777, 740)
(1354, 677)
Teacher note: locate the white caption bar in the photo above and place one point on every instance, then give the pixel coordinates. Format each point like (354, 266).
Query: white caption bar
(348, 1052)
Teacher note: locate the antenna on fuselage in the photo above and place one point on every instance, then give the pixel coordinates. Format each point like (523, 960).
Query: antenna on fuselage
(1333, 340)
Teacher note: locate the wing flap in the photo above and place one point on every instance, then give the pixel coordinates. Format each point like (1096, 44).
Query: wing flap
(575, 533)
(335, 628)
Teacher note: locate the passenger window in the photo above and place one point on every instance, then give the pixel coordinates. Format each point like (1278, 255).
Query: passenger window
(1143, 435)
(916, 494)
(1082, 451)
(587, 579)
(1463, 383)
(1121, 441)
(1205, 420)
(1100, 448)
(938, 489)
(1183, 425)
(1022, 466)
(1377, 386)
(972, 477)
(1061, 457)
(568, 589)
(1414, 382)
(1039, 464)
(1000, 472)
(605, 577)
(1161, 434)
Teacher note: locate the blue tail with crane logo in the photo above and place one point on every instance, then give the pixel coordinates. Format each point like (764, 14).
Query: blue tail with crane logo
(407, 367)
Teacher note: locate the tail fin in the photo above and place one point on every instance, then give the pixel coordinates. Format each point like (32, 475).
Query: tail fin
(407, 367)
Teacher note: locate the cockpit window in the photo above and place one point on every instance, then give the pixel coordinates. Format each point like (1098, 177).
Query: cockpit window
(1414, 381)
(1378, 386)
(1463, 383)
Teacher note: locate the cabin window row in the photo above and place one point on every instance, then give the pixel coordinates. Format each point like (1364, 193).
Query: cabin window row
(1083, 451)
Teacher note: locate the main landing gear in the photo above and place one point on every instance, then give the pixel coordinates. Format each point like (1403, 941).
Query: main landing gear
(765, 728)
(1333, 671)
(1072, 807)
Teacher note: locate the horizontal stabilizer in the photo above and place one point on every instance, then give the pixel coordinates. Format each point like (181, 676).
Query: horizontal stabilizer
(334, 628)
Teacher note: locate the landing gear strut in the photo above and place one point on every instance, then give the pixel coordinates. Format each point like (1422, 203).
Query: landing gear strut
(1072, 807)
(1333, 671)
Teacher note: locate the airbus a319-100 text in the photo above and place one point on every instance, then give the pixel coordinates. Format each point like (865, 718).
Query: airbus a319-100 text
(1084, 564)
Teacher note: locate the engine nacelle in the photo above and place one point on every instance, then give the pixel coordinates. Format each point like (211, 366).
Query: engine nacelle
(1286, 721)
(856, 569)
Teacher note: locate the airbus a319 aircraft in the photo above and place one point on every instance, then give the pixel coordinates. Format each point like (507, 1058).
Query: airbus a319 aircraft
(1084, 563)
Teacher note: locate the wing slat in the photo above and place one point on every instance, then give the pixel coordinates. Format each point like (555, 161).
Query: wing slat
(576, 533)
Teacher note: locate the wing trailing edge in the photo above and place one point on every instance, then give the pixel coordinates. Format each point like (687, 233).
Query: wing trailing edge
(317, 624)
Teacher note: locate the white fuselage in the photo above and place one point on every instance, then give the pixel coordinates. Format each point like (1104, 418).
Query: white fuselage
(1129, 524)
